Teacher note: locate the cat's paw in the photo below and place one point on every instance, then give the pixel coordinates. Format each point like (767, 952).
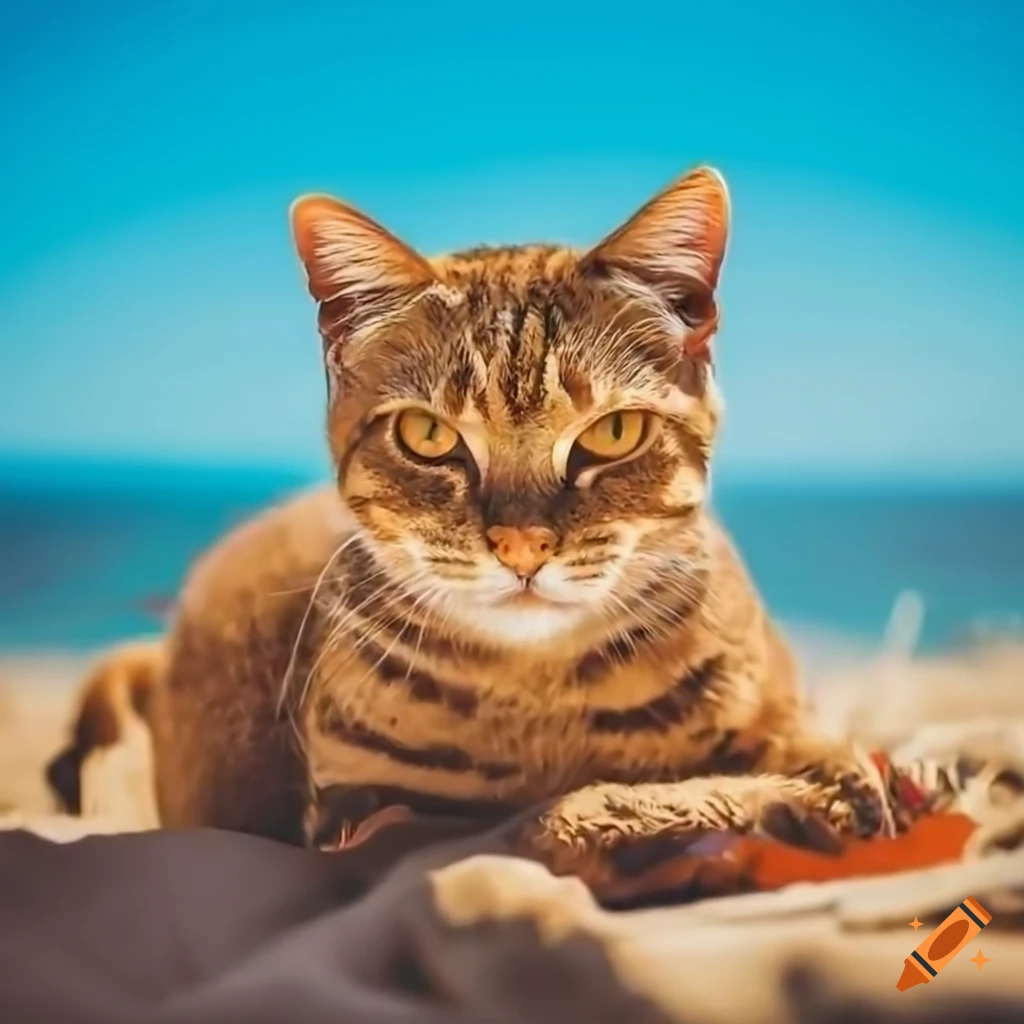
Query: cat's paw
(860, 809)
(861, 806)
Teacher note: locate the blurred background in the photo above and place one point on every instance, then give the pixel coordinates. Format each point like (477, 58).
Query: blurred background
(159, 362)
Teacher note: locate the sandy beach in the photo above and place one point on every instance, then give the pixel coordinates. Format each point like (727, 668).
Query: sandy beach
(36, 701)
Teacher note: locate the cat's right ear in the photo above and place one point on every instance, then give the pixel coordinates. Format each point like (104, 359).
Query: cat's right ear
(675, 246)
(358, 271)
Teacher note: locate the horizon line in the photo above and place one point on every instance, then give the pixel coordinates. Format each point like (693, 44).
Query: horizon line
(112, 469)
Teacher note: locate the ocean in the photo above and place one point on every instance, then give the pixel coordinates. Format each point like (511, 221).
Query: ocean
(88, 557)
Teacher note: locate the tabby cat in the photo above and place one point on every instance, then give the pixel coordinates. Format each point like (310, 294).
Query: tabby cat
(515, 593)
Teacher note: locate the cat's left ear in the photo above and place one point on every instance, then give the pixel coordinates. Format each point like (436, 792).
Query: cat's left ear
(357, 270)
(675, 246)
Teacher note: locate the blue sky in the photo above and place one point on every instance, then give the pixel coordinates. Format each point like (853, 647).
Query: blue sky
(151, 307)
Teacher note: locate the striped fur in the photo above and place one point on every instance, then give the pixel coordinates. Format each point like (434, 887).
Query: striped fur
(367, 635)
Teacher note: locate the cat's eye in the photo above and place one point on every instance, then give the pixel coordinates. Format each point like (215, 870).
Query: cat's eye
(425, 435)
(614, 436)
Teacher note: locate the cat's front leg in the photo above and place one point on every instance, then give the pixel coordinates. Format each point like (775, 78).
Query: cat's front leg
(607, 832)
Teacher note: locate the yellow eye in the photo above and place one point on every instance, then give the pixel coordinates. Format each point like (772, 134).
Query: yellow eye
(425, 435)
(614, 436)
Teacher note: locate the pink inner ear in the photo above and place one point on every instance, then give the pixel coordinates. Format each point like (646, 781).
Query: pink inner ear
(698, 339)
(333, 318)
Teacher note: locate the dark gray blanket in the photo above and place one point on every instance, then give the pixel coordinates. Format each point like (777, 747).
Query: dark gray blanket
(218, 927)
(182, 928)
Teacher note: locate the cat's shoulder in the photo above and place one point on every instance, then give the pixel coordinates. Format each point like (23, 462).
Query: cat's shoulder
(278, 552)
(722, 549)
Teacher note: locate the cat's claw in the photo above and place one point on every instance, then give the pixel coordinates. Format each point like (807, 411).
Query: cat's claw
(860, 806)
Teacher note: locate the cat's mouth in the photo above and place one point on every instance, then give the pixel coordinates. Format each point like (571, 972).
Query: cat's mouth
(527, 597)
(531, 595)
(546, 593)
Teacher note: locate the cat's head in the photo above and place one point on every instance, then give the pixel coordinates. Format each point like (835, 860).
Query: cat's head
(523, 433)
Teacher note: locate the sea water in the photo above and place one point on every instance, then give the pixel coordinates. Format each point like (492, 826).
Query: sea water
(89, 556)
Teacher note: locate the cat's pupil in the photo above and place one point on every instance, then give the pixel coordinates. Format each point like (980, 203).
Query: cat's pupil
(617, 427)
(431, 430)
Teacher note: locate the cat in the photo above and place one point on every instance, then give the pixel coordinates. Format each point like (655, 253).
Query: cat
(514, 593)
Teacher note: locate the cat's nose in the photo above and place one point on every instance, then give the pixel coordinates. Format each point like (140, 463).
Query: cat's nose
(524, 549)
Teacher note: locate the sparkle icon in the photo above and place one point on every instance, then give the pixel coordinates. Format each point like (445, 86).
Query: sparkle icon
(915, 924)
(981, 959)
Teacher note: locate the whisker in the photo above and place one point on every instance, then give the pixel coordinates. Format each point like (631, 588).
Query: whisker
(398, 636)
(419, 640)
(339, 623)
(338, 628)
(290, 667)
(303, 590)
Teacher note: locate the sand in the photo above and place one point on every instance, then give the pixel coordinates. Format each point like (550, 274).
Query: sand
(36, 692)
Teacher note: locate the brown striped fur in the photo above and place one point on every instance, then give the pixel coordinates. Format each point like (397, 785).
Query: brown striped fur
(367, 635)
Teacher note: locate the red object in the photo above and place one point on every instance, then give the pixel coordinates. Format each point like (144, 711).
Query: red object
(932, 839)
(910, 795)
(762, 865)
(907, 793)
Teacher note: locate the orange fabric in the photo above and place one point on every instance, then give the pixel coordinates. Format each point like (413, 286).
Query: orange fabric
(931, 840)
(756, 864)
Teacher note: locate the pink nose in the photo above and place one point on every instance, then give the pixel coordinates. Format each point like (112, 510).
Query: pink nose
(524, 549)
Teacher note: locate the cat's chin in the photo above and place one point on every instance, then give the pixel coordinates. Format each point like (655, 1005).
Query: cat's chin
(523, 620)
